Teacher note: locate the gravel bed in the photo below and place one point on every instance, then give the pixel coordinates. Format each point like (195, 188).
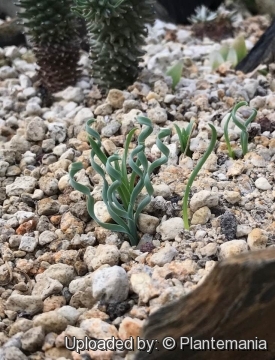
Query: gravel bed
(61, 275)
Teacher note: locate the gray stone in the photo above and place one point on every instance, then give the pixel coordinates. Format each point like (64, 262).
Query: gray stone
(48, 206)
(147, 223)
(82, 116)
(28, 243)
(33, 339)
(157, 115)
(12, 353)
(62, 272)
(169, 229)
(28, 303)
(204, 198)
(7, 72)
(69, 313)
(20, 185)
(51, 321)
(262, 184)
(105, 254)
(36, 129)
(163, 256)
(49, 185)
(57, 131)
(110, 129)
(232, 248)
(110, 284)
(47, 237)
(3, 167)
(34, 109)
(46, 286)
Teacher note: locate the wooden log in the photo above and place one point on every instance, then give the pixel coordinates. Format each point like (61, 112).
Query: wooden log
(263, 51)
(235, 302)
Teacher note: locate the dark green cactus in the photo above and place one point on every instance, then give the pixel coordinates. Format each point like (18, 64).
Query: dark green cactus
(117, 31)
(51, 27)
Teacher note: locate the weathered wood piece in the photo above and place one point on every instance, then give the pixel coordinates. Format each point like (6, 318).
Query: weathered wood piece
(236, 301)
(263, 51)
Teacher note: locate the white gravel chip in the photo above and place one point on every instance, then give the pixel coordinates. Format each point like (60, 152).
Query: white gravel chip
(262, 184)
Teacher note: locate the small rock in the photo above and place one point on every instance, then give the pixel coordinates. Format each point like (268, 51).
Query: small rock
(46, 237)
(28, 243)
(70, 225)
(243, 230)
(105, 254)
(257, 239)
(110, 284)
(33, 339)
(204, 198)
(3, 167)
(169, 229)
(36, 129)
(34, 109)
(229, 225)
(7, 72)
(12, 353)
(57, 131)
(101, 212)
(201, 216)
(104, 109)
(20, 325)
(46, 287)
(28, 303)
(49, 185)
(62, 272)
(162, 190)
(69, 313)
(209, 249)
(163, 256)
(141, 284)
(157, 115)
(51, 321)
(23, 184)
(236, 168)
(129, 328)
(147, 223)
(116, 98)
(48, 206)
(232, 248)
(262, 184)
(83, 115)
(98, 329)
(110, 129)
(71, 94)
(232, 197)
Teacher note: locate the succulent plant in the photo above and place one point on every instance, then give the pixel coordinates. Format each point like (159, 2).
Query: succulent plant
(233, 54)
(51, 27)
(117, 32)
(202, 14)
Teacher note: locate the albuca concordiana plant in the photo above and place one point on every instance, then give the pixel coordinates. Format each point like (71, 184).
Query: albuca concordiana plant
(120, 196)
(117, 31)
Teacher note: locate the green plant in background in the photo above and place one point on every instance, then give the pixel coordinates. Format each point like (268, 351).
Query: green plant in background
(184, 137)
(233, 54)
(202, 14)
(121, 195)
(51, 26)
(175, 72)
(117, 33)
(194, 174)
(226, 137)
(243, 125)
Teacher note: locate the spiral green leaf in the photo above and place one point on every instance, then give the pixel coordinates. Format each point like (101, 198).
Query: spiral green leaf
(120, 197)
